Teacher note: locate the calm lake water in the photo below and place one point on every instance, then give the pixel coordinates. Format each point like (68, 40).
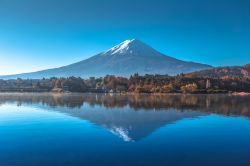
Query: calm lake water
(124, 130)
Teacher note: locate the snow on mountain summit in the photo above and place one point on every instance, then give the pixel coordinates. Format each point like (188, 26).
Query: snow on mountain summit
(120, 48)
(132, 47)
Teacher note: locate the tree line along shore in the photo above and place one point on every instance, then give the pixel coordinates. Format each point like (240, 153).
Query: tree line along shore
(183, 83)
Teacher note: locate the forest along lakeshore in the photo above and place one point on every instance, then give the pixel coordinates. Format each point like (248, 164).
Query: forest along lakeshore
(182, 83)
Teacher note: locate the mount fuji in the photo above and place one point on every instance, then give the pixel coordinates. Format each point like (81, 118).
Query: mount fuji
(125, 59)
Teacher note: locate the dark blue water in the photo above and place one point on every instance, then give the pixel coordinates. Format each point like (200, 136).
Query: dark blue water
(89, 129)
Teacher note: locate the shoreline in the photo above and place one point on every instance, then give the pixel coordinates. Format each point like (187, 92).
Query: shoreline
(126, 93)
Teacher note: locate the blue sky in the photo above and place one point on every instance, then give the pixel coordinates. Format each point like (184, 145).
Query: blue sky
(41, 34)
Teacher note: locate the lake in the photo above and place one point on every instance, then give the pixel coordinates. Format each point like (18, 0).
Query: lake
(124, 130)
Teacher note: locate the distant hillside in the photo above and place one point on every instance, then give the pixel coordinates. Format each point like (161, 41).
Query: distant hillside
(125, 59)
(224, 72)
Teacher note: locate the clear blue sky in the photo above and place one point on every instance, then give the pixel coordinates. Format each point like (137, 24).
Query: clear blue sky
(41, 34)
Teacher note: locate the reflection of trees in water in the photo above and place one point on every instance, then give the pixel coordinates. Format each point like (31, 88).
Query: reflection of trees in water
(219, 104)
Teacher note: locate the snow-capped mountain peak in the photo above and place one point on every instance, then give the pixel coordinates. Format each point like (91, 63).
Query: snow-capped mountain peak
(122, 48)
(132, 47)
(125, 59)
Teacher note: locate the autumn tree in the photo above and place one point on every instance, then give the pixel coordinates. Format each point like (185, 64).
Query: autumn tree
(189, 88)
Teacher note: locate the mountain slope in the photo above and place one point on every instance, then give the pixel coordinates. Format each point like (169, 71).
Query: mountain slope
(224, 72)
(125, 59)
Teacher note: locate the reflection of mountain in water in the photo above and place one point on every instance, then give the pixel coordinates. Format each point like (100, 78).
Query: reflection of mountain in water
(128, 124)
(133, 117)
